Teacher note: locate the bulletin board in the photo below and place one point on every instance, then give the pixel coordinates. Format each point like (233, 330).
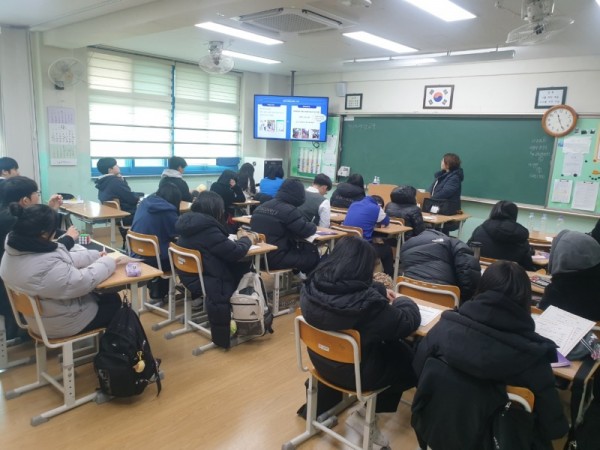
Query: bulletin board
(575, 174)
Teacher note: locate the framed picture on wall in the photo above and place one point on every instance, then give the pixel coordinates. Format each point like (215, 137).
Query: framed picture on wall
(438, 97)
(546, 97)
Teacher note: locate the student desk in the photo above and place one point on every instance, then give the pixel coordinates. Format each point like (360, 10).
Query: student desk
(330, 237)
(119, 278)
(259, 249)
(339, 210)
(92, 212)
(541, 240)
(246, 205)
(423, 330)
(337, 217)
(437, 220)
(394, 229)
(244, 220)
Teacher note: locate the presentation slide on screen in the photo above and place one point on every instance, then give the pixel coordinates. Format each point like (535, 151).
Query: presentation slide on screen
(290, 118)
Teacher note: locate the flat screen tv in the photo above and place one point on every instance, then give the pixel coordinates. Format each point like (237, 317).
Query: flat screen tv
(290, 118)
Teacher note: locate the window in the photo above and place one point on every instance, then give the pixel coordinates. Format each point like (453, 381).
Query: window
(144, 110)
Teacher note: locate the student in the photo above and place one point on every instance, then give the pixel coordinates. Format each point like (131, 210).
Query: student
(246, 180)
(490, 338)
(226, 186)
(283, 224)
(502, 237)
(203, 229)
(63, 280)
(8, 168)
(272, 181)
(367, 214)
(174, 174)
(341, 295)
(316, 207)
(348, 192)
(157, 215)
(436, 258)
(403, 205)
(111, 185)
(447, 186)
(575, 268)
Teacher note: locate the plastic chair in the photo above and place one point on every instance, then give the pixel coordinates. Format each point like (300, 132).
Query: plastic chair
(441, 294)
(486, 261)
(190, 261)
(31, 308)
(522, 396)
(341, 347)
(356, 231)
(383, 190)
(147, 246)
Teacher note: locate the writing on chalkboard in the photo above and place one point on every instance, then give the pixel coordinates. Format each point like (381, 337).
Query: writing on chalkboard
(361, 126)
(539, 154)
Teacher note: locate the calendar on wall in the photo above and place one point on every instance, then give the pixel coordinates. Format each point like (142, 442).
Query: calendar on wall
(61, 136)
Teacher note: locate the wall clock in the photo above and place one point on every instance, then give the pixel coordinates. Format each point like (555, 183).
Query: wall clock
(559, 120)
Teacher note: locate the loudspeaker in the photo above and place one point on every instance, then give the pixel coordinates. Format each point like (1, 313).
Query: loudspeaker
(341, 89)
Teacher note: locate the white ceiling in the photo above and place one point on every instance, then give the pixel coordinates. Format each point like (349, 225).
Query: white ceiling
(166, 28)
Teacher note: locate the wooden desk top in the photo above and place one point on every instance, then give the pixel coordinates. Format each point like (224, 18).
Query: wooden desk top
(538, 236)
(339, 210)
(438, 219)
(247, 203)
(337, 217)
(422, 331)
(392, 228)
(93, 210)
(242, 219)
(120, 278)
(262, 247)
(333, 234)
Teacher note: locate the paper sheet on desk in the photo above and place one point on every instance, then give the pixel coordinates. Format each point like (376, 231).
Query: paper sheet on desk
(562, 327)
(254, 247)
(120, 258)
(428, 314)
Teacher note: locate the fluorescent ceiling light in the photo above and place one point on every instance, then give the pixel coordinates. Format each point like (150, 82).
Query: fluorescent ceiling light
(377, 41)
(479, 50)
(250, 57)
(235, 32)
(443, 9)
(415, 61)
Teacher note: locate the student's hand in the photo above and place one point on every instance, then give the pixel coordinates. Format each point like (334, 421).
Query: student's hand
(55, 201)
(391, 295)
(252, 236)
(73, 232)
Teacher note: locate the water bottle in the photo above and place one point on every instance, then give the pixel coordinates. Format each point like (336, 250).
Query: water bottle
(376, 180)
(560, 224)
(543, 221)
(531, 222)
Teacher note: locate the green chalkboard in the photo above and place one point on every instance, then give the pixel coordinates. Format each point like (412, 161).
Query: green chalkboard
(503, 158)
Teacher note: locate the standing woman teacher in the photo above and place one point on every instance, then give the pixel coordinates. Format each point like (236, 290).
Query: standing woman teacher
(447, 186)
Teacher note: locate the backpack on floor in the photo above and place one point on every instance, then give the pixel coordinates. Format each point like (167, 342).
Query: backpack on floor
(250, 311)
(124, 364)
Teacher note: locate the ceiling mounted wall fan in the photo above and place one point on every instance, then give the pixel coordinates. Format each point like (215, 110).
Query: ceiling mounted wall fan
(541, 24)
(215, 61)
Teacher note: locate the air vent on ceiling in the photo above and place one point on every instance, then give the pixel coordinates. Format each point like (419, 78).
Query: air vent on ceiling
(290, 20)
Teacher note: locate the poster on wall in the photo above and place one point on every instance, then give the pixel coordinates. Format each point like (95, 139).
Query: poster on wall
(61, 136)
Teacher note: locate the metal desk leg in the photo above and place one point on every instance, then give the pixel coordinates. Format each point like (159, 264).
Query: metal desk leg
(460, 228)
(135, 298)
(257, 262)
(89, 228)
(113, 229)
(397, 260)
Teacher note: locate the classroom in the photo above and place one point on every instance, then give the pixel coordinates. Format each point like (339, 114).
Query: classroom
(158, 37)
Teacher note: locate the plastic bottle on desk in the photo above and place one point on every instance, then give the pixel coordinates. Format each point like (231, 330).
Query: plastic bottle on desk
(560, 224)
(531, 222)
(543, 222)
(376, 180)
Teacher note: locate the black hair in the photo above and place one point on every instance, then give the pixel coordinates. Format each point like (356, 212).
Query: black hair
(246, 178)
(510, 279)
(352, 258)
(175, 162)
(323, 180)
(226, 176)
(7, 164)
(211, 204)
(274, 171)
(357, 180)
(104, 164)
(504, 210)
(34, 220)
(15, 188)
(452, 161)
(378, 200)
(595, 233)
(170, 193)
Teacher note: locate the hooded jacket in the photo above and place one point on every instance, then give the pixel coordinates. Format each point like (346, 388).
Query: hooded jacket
(221, 270)
(270, 186)
(283, 224)
(157, 216)
(504, 239)
(114, 186)
(436, 258)
(447, 186)
(492, 338)
(63, 280)
(363, 307)
(229, 194)
(575, 268)
(404, 206)
(345, 194)
(366, 214)
(175, 177)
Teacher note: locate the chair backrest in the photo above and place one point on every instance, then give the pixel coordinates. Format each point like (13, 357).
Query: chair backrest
(441, 294)
(398, 220)
(536, 310)
(596, 329)
(522, 396)
(486, 261)
(338, 346)
(383, 190)
(28, 306)
(421, 196)
(145, 245)
(357, 231)
(186, 260)
(114, 203)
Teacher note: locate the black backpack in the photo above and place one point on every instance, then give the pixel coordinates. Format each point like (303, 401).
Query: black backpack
(124, 364)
